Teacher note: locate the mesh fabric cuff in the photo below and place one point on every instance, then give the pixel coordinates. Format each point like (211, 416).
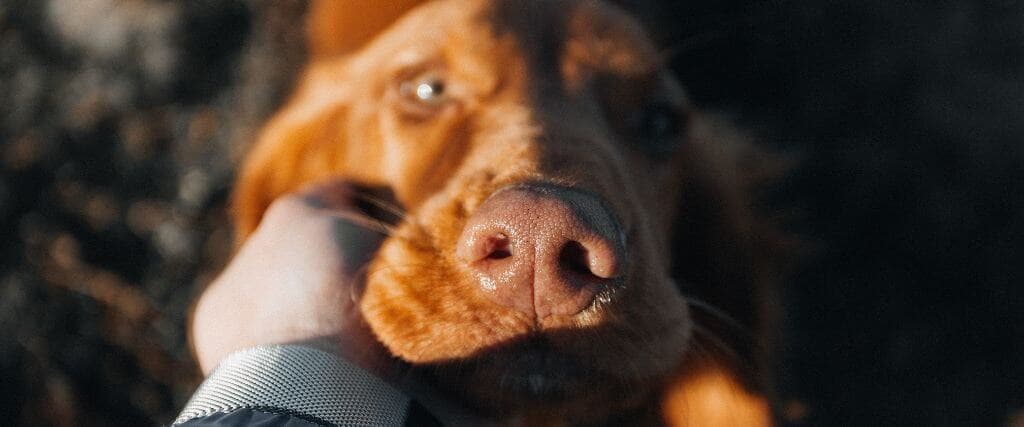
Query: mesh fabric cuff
(301, 380)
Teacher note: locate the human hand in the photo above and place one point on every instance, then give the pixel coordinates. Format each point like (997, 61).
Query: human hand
(294, 280)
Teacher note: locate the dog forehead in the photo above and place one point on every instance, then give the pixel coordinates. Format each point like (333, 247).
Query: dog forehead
(547, 34)
(591, 34)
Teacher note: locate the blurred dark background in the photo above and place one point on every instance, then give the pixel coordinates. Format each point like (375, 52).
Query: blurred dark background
(122, 122)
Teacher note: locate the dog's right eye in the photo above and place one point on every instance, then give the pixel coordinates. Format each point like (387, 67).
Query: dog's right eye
(425, 90)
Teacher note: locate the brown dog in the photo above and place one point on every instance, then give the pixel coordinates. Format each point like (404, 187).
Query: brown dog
(577, 244)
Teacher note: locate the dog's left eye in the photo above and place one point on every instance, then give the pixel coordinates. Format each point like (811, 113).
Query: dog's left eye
(427, 89)
(658, 126)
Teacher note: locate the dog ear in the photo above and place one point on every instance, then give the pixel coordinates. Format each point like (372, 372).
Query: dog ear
(290, 153)
(338, 27)
(727, 254)
(303, 143)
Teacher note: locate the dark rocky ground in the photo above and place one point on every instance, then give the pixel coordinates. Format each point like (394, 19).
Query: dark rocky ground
(122, 121)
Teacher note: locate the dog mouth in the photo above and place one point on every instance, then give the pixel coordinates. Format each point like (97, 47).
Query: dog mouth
(529, 370)
(534, 301)
(540, 372)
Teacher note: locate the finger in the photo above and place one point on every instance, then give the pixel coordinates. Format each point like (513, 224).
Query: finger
(333, 197)
(340, 197)
(325, 212)
(334, 194)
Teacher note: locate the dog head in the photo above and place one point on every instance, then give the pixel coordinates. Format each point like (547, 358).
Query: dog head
(546, 161)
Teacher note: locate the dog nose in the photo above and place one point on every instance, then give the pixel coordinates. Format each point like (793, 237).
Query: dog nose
(542, 249)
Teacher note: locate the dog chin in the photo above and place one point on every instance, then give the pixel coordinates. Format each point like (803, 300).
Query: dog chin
(528, 376)
(536, 373)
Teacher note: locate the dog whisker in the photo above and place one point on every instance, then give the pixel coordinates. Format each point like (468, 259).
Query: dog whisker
(690, 44)
(399, 215)
(714, 340)
(717, 313)
(377, 202)
(374, 223)
(369, 222)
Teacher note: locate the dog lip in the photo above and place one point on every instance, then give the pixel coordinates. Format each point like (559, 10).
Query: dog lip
(541, 372)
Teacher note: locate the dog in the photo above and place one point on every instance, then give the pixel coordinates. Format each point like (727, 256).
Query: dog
(577, 243)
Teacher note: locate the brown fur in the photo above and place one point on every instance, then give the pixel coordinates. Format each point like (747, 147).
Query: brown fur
(537, 94)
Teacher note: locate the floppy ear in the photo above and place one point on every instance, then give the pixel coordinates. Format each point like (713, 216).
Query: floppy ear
(306, 142)
(727, 260)
(338, 27)
(300, 145)
(728, 255)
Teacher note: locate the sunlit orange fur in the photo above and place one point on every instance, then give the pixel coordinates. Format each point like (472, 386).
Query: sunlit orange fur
(515, 119)
(710, 395)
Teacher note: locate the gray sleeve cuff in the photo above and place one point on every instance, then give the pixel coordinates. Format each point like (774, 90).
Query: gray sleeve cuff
(300, 380)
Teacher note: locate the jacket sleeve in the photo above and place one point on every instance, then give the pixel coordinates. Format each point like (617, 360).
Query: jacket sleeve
(294, 385)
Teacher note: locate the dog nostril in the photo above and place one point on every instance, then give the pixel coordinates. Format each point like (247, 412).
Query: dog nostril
(498, 247)
(573, 258)
(499, 254)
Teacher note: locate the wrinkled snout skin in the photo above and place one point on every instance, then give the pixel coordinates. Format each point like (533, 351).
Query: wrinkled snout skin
(538, 150)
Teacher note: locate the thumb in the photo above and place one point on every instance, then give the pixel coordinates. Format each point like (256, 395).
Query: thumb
(356, 234)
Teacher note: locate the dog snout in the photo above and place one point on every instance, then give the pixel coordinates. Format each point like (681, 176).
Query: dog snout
(542, 249)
